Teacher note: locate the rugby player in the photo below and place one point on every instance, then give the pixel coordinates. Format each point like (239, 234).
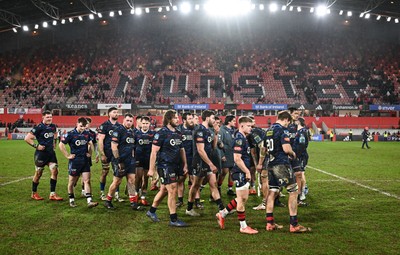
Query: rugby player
(280, 172)
(80, 144)
(241, 176)
(300, 148)
(46, 135)
(167, 150)
(104, 134)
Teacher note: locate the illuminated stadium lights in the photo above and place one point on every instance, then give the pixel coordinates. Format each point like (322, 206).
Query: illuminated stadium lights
(45, 24)
(284, 7)
(185, 7)
(362, 14)
(253, 6)
(328, 11)
(321, 10)
(100, 15)
(262, 7)
(120, 13)
(367, 16)
(273, 7)
(80, 18)
(299, 9)
(138, 11)
(91, 16)
(378, 18)
(111, 14)
(147, 10)
(227, 7)
(167, 8)
(175, 8)
(54, 22)
(291, 8)
(341, 12)
(396, 21)
(349, 14)
(132, 11)
(389, 19)
(159, 9)
(14, 29)
(63, 21)
(71, 20)
(312, 9)
(197, 7)
(25, 28)
(36, 26)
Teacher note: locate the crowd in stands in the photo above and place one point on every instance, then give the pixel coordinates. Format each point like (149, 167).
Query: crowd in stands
(300, 67)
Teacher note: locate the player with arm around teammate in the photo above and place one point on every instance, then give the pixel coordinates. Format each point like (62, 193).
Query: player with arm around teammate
(167, 153)
(80, 143)
(241, 177)
(46, 135)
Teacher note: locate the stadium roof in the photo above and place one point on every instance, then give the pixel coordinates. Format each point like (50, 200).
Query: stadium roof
(16, 13)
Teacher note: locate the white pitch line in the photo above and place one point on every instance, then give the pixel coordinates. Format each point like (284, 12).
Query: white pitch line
(18, 180)
(356, 183)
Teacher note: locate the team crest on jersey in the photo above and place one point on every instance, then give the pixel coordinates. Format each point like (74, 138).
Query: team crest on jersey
(239, 142)
(200, 133)
(115, 134)
(156, 136)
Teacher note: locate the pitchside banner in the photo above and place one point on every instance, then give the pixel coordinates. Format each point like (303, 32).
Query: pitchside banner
(273, 107)
(1, 110)
(118, 106)
(191, 106)
(375, 107)
(16, 136)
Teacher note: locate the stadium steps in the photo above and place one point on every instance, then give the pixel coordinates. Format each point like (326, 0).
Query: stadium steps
(121, 86)
(287, 86)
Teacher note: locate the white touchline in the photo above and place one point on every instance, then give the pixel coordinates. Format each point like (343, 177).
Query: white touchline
(18, 180)
(356, 183)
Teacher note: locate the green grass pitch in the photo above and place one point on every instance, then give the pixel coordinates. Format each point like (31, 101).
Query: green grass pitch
(346, 218)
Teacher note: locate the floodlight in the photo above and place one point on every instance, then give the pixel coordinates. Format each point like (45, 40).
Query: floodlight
(273, 7)
(44, 24)
(25, 28)
(138, 11)
(36, 26)
(185, 7)
(111, 14)
(100, 15)
(14, 29)
(349, 14)
(91, 16)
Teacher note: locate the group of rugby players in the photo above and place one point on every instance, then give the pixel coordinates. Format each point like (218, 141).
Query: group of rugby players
(205, 152)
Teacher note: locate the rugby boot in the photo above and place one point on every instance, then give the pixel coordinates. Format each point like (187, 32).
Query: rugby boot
(230, 193)
(178, 223)
(192, 213)
(92, 204)
(144, 202)
(136, 207)
(55, 197)
(220, 220)
(36, 196)
(259, 207)
(109, 205)
(248, 230)
(72, 204)
(272, 227)
(179, 204)
(152, 216)
(252, 192)
(299, 229)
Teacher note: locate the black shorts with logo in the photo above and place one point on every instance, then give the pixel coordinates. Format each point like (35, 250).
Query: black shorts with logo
(168, 173)
(43, 158)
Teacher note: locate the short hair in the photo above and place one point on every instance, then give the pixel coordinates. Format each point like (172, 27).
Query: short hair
(44, 113)
(292, 109)
(145, 118)
(228, 119)
(168, 117)
(139, 117)
(302, 122)
(184, 115)
(83, 121)
(206, 114)
(245, 119)
(89, 120)
(284, 115)
(217, 118)
(130, 115)
(112, 109)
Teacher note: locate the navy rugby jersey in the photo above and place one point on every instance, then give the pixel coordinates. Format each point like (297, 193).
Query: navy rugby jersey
(241, 146)
(203, 135)
(143, 143)
(92, 135)
(301, 141)
(78, 142)
(256, 137)
(170, 143)
(292, 128)
(45, 135)
(125, 138)
(276, 136)
(107, 129)
(187, 141)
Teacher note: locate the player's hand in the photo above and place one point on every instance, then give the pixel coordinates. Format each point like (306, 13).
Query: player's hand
(97, 158)
(88, 155)
(294, 155)
(71, 156)
(150, 173)
(41, 147)
(103, 159)
(213, 168)
(248, 176)
(223, 159)
(185, 170)
(259, 168)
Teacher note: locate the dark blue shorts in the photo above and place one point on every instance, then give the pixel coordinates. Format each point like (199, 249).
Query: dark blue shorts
(168, 173)
(128, 166)
(43, 158)
(78, 165)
